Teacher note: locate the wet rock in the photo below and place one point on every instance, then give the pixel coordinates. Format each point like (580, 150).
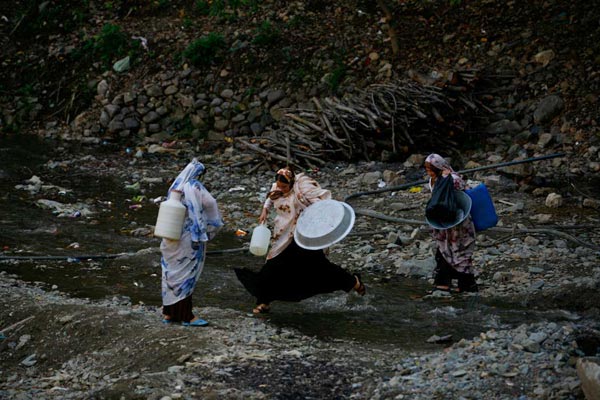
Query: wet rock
(102, 88)
(544, 57)
(502, 127)
(548, 108)
(588, 370)
(554, 200)
(154, 91)
(274, 96)
(371, 178)
(30, 360)
(415, 268)
(441, 339)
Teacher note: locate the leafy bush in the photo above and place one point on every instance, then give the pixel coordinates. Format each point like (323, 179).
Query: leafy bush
(266, 34)
(202, 7)
(335, 78)
(111, 43)
(187, 23)
(217, 8)
(108, 46)
(205, 50)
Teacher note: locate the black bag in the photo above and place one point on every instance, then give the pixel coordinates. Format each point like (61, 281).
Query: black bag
(442, 206)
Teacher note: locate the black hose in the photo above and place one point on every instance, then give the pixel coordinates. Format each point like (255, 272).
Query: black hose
(464, 171)
(239, 250)
(101, 256)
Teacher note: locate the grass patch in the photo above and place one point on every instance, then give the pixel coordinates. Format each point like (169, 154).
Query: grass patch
(205, 50)
(266, 34)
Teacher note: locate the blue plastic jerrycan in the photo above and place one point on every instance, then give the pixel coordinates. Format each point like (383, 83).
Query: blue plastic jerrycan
(483, 211)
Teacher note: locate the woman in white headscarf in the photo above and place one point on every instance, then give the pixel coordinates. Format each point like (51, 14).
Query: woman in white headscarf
(454, 255)
(291, 272)
(182, 260)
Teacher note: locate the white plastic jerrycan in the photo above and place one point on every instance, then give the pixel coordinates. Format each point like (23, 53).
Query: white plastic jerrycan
(259, 244)
(171, 215)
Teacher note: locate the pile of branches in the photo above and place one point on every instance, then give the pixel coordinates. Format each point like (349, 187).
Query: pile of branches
(401, 117)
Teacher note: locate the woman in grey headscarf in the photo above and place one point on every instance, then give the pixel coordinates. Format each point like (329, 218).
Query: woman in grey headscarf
(454, 256)
(182, 260)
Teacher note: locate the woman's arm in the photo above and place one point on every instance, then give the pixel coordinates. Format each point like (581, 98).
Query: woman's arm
(214, 222)
(264, 213)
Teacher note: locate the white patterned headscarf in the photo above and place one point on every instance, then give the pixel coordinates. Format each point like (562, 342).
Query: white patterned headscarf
(185, 182)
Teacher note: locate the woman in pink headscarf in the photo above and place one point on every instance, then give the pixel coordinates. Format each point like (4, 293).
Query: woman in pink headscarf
(454, 256)
(291, 272)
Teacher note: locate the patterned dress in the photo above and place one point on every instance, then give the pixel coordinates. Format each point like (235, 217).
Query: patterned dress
(291, 272)
(182, 260)
(455, 246)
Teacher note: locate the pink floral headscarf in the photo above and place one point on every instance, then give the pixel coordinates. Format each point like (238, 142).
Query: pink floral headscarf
(440, 163)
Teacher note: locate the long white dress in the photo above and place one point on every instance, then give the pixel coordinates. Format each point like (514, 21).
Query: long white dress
(181, 263)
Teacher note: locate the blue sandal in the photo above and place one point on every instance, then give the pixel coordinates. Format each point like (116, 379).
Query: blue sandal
(198, 322)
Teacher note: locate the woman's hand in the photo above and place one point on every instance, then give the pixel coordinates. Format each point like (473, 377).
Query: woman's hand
(263, 216)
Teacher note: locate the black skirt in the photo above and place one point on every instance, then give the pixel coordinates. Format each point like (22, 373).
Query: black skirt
(294, 275)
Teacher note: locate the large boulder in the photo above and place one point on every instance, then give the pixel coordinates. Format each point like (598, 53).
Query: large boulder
(588, 370)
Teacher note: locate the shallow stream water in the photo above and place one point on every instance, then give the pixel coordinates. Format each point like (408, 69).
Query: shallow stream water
(391, 313)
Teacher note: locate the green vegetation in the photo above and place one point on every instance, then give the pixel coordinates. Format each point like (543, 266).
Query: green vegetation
(123, 7)
(266, 34)
(51, 17)
(249, 92)
(226, 9)
(202, 7)
(161, 4)
(111, 5)
(187, 23)
(296, 21)
(26, 90)
(205, 50)
(110, 44)
(184, 129)
(337, 70)
(217, 8)
(336, 77)
(299, 74)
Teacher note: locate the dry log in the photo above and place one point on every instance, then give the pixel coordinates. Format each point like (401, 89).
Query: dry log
(266, 153)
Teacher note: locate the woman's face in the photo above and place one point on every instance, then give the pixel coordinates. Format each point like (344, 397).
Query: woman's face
(430, 170)
(283, 184)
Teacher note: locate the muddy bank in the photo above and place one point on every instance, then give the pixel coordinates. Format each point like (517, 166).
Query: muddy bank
(60, 347)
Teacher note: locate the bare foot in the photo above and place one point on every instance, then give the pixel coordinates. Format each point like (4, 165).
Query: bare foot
(261, 309)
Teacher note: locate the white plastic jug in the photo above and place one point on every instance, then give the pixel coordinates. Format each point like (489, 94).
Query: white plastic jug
(259, 244)
(171, 215)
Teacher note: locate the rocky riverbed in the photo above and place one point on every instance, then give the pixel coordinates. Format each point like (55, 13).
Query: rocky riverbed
(543, 256)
